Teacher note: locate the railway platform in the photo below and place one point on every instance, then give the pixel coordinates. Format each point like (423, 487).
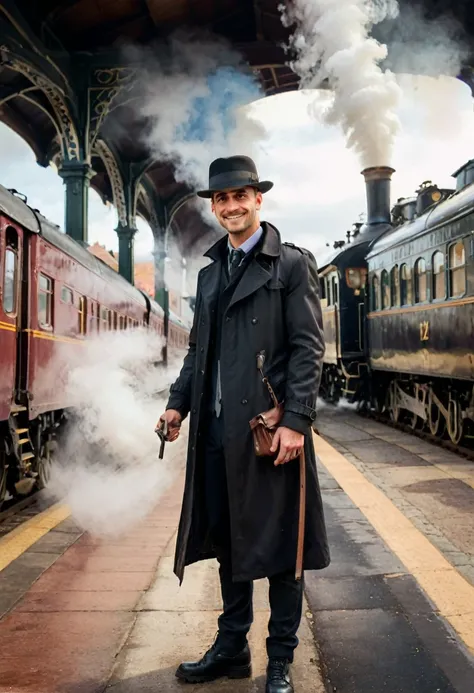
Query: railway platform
(394, 611)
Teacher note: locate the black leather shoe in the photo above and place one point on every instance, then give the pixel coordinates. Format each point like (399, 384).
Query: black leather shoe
(215, 665)
(278, 679)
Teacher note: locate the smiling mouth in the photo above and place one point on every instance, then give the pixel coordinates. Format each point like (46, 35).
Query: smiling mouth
(234, 218)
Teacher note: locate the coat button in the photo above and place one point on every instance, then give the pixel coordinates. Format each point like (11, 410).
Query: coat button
(254, 321)
(245, 401)
(202, 350)
(202, 372)
(194, 411)
(227, 319)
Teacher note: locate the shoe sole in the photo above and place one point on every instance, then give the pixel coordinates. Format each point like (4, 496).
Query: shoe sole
(242, 672)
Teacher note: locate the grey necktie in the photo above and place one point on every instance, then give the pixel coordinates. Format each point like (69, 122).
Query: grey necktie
(235, 258)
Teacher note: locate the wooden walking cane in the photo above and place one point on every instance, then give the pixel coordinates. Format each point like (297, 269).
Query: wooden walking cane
(301, 520)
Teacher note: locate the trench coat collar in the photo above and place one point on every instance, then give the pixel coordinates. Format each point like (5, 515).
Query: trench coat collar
(257, 273)
(271, 245)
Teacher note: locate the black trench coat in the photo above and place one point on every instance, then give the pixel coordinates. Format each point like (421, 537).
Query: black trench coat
(275, 308)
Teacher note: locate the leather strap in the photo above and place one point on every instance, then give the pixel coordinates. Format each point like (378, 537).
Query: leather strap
(301, 521)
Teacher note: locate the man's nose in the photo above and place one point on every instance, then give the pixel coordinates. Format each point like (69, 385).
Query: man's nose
(232, 208)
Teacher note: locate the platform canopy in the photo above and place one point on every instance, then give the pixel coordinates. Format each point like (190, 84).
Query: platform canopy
(63, 78)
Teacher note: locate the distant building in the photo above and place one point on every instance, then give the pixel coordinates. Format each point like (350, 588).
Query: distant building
(107, 256)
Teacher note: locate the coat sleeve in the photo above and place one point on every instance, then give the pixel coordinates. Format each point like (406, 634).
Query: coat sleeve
(304, 326)
(180, 391)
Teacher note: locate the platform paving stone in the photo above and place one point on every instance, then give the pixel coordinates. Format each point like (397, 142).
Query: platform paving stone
(70, 614)
(180, 623)
(433, 487)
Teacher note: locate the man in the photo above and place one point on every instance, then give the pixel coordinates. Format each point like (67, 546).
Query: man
(258, 295)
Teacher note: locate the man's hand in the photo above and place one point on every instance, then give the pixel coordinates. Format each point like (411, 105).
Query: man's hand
(291, 444)
(173, 418)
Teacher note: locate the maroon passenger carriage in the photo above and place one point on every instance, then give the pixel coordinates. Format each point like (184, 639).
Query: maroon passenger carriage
(54, 295)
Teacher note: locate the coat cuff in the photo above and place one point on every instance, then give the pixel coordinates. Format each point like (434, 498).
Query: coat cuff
(179, 403)
(291, 405)
(297, 422)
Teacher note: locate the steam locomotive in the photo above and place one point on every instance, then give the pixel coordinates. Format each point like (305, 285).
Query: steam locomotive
(398, 307)
(54, 296)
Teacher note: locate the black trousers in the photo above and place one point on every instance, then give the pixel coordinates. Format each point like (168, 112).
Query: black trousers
(285, 593)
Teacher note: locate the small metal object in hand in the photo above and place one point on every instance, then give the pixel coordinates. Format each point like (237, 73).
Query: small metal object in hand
(162, 432)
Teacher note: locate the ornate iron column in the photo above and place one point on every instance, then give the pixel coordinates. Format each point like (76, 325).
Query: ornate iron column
(161, 287)
(126, 259)
(76, 176)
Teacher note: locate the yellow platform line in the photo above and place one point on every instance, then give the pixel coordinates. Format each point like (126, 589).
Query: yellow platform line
(451, 593)
(20, 539)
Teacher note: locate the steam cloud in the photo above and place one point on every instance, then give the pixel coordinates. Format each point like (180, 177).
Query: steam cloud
(106, 468)
(332, 43)
(192, 96)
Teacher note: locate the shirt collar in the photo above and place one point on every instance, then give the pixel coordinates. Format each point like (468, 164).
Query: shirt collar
(250, 243)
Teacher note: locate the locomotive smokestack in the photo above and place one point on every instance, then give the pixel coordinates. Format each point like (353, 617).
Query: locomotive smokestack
(377, 181)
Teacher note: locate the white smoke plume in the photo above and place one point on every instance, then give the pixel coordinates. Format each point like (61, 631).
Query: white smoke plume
(106, 467)
(192, 96)
(332, 43)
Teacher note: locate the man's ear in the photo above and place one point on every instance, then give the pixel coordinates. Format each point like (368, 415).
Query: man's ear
(259, 198)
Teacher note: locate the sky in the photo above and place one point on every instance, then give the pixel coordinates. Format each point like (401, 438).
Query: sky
(318, 191)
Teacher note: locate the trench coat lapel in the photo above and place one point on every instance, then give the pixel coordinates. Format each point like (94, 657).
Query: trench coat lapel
(210, 283)
(255, 277)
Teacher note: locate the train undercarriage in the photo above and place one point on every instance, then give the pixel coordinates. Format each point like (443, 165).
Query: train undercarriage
(442, 407)
(26, 449)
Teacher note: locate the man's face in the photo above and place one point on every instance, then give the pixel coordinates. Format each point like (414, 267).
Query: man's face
(237, 210)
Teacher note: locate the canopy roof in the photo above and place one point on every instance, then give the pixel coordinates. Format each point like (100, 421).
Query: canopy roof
(61, 70)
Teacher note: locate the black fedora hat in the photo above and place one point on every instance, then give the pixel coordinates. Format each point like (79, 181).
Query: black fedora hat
(233, 172)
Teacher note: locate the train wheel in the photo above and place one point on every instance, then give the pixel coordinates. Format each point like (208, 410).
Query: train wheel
(455, 421)
(44, 464)
(436, 420)
(393, 407)
(3, 476)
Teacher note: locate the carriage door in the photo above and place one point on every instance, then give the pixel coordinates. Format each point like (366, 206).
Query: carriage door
(10, 312)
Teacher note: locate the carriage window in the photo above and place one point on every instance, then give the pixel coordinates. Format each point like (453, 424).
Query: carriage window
(82, 315)
(322, 287)
(10, 281)
(45, 301)
(420, 281)
(104, 318)
(405, 285)
(375, 293)
(335, 290)
(67, 295)
(439, 281)
(394, 287)
(457, 270)
(385, 290)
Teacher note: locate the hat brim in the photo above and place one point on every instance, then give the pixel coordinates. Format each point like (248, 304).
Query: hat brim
(263, 186)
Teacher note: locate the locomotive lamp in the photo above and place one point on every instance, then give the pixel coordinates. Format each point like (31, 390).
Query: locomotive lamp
(355, 278)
